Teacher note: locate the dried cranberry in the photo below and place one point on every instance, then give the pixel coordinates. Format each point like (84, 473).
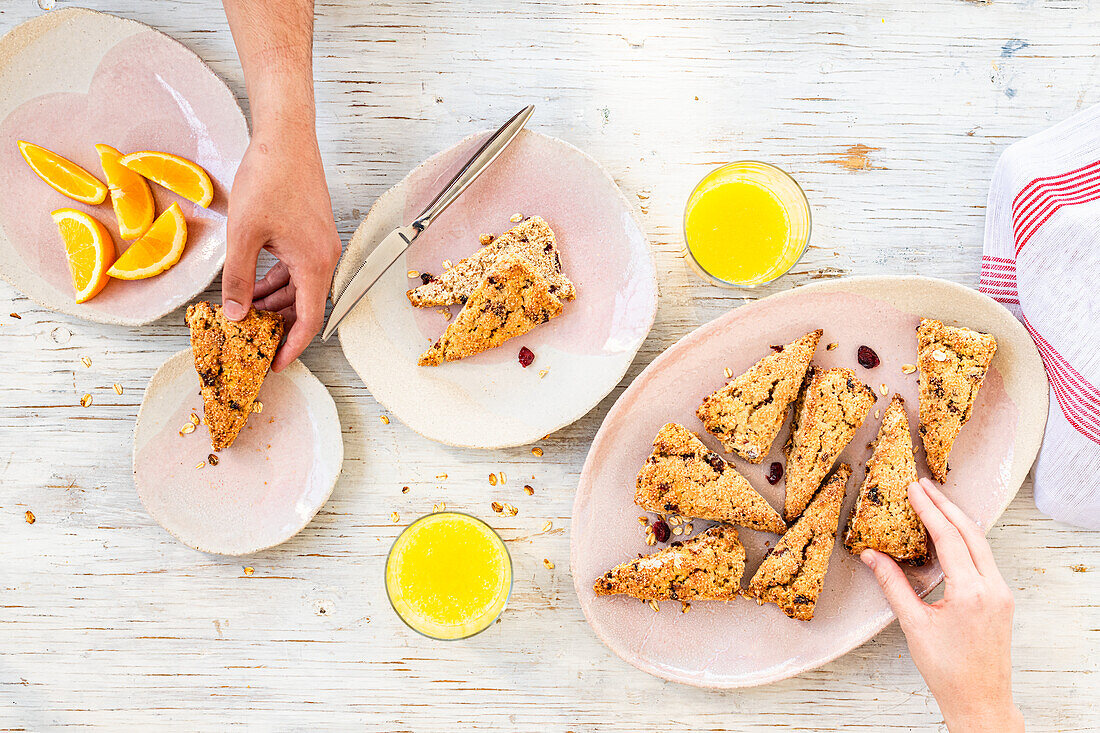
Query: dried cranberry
(868, 359)
(661, 531)
(426, 277)
(526, 356)
(775, 472)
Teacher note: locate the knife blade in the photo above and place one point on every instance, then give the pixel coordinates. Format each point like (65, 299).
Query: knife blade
(377, 262)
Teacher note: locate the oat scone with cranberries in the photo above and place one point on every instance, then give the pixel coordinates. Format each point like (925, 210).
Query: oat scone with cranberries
(883, 519)
(793, 572)
(828, 412)
(533, 240)
(510, 301)
(708, 567)
(683, 476)
(232, 359)
(748, 413)
(952, 362)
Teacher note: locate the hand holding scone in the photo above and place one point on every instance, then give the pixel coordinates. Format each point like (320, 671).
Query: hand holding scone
(962, 643)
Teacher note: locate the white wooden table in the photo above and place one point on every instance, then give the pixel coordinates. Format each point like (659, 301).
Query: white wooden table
(890, 114)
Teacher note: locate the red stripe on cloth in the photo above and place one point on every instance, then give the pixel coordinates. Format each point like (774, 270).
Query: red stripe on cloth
(1036, 184)
(999, 270)
(1078, 398)
(1023, 230)
(999, 259)
(1021, 213)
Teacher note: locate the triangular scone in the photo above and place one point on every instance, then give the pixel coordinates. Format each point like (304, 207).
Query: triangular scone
(793, 572)
(533, 240)
(952, 363)
(708, 567)
(830, 409)
(883, 519)
(747, 413)
(511, 300)
(683, 476)
(232, 359)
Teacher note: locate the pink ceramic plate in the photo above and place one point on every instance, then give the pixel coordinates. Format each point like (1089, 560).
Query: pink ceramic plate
(264, 488)
(73, 78)
(489, 400)
(740, 643)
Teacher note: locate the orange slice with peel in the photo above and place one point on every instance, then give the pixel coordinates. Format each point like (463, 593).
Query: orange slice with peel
(63, 175)
(89, 248)
(160, 248)
(178, 175)
(130, 195)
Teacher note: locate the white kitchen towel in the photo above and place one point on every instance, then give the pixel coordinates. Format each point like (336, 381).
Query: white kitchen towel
(1042, 261)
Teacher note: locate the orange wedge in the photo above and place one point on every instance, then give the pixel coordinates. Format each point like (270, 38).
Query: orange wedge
(63, 175)
(90, 250)
(160, 248)
(130, 195)
(177, 174)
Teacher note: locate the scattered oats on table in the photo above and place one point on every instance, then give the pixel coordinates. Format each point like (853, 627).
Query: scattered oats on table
(492, 479)
(447, 264)
(684, 606)
(257, 406)
(908, 368)
(503, 478)
(536, 452)
(832, 346)
(16, 316)
(548, 526)
(404, 489)
(118, 388)
(729, 373)
(441, 477)
(85, 361)
(187, 428)
(515, 218)
(249, 571)
(30, 516)
(413, 274)
(212, 459)
(199, 465)
(655, 606)
(195, 419)
(485, 239)
(497, 507)
(543, 373)
(509, 510)
(549, 565)
(884, 389)
(85, 400)
(395, 517)
(529, 489)
(385, 420)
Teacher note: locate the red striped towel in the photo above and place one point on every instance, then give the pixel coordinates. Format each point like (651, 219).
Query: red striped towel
(1042, 261)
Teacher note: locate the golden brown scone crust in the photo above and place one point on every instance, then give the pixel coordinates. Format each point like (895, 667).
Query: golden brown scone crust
(952, 363)
(883, 519)
(532, 240)
(232, 359)
(682, 476)
(793, 572)
(511, 300)
(828, 412)
(707, 567)
(748, 413)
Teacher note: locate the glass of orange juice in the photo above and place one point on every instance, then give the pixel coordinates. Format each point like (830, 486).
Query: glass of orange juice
(448, 575)
(745, 224)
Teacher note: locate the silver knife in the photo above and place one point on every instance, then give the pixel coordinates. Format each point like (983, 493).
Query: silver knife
(389, 249)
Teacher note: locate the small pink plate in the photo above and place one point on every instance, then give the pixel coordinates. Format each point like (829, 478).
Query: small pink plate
(72, 78)
(489, 400)
(264, 488)
(740, 644)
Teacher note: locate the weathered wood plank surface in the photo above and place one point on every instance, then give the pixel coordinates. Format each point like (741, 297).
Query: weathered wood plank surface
(891, 115)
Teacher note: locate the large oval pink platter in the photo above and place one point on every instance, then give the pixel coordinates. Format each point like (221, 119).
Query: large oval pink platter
(73, 78)
(739, 644)
(489, 400)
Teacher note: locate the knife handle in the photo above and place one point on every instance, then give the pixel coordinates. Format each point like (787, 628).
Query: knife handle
(475, 166)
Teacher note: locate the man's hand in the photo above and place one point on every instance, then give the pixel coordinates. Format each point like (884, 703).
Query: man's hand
(279, 200)
(962, 643)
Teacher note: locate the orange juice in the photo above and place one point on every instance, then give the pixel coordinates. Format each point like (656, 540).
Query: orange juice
(746, 224)
(448, 575)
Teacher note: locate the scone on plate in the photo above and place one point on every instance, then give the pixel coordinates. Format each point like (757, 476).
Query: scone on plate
(232, 359)
(707, 567)
(952, 362)
(831, 408)
(511, 300)
(883, 519)
(533, 240)
(748, 413)
(683, 476)
(793, 572)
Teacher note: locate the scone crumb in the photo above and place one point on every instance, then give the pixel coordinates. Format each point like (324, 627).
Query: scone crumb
(447, 265)
(257, 406)
(832, 346)
(85, 400)
(878, 414)
(655, 606)
(684, 606)
(643, 520)
(445, 313)
(485, 239)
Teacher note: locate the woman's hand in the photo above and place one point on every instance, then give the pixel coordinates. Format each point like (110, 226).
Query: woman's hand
(962, 643)
(280, 203)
